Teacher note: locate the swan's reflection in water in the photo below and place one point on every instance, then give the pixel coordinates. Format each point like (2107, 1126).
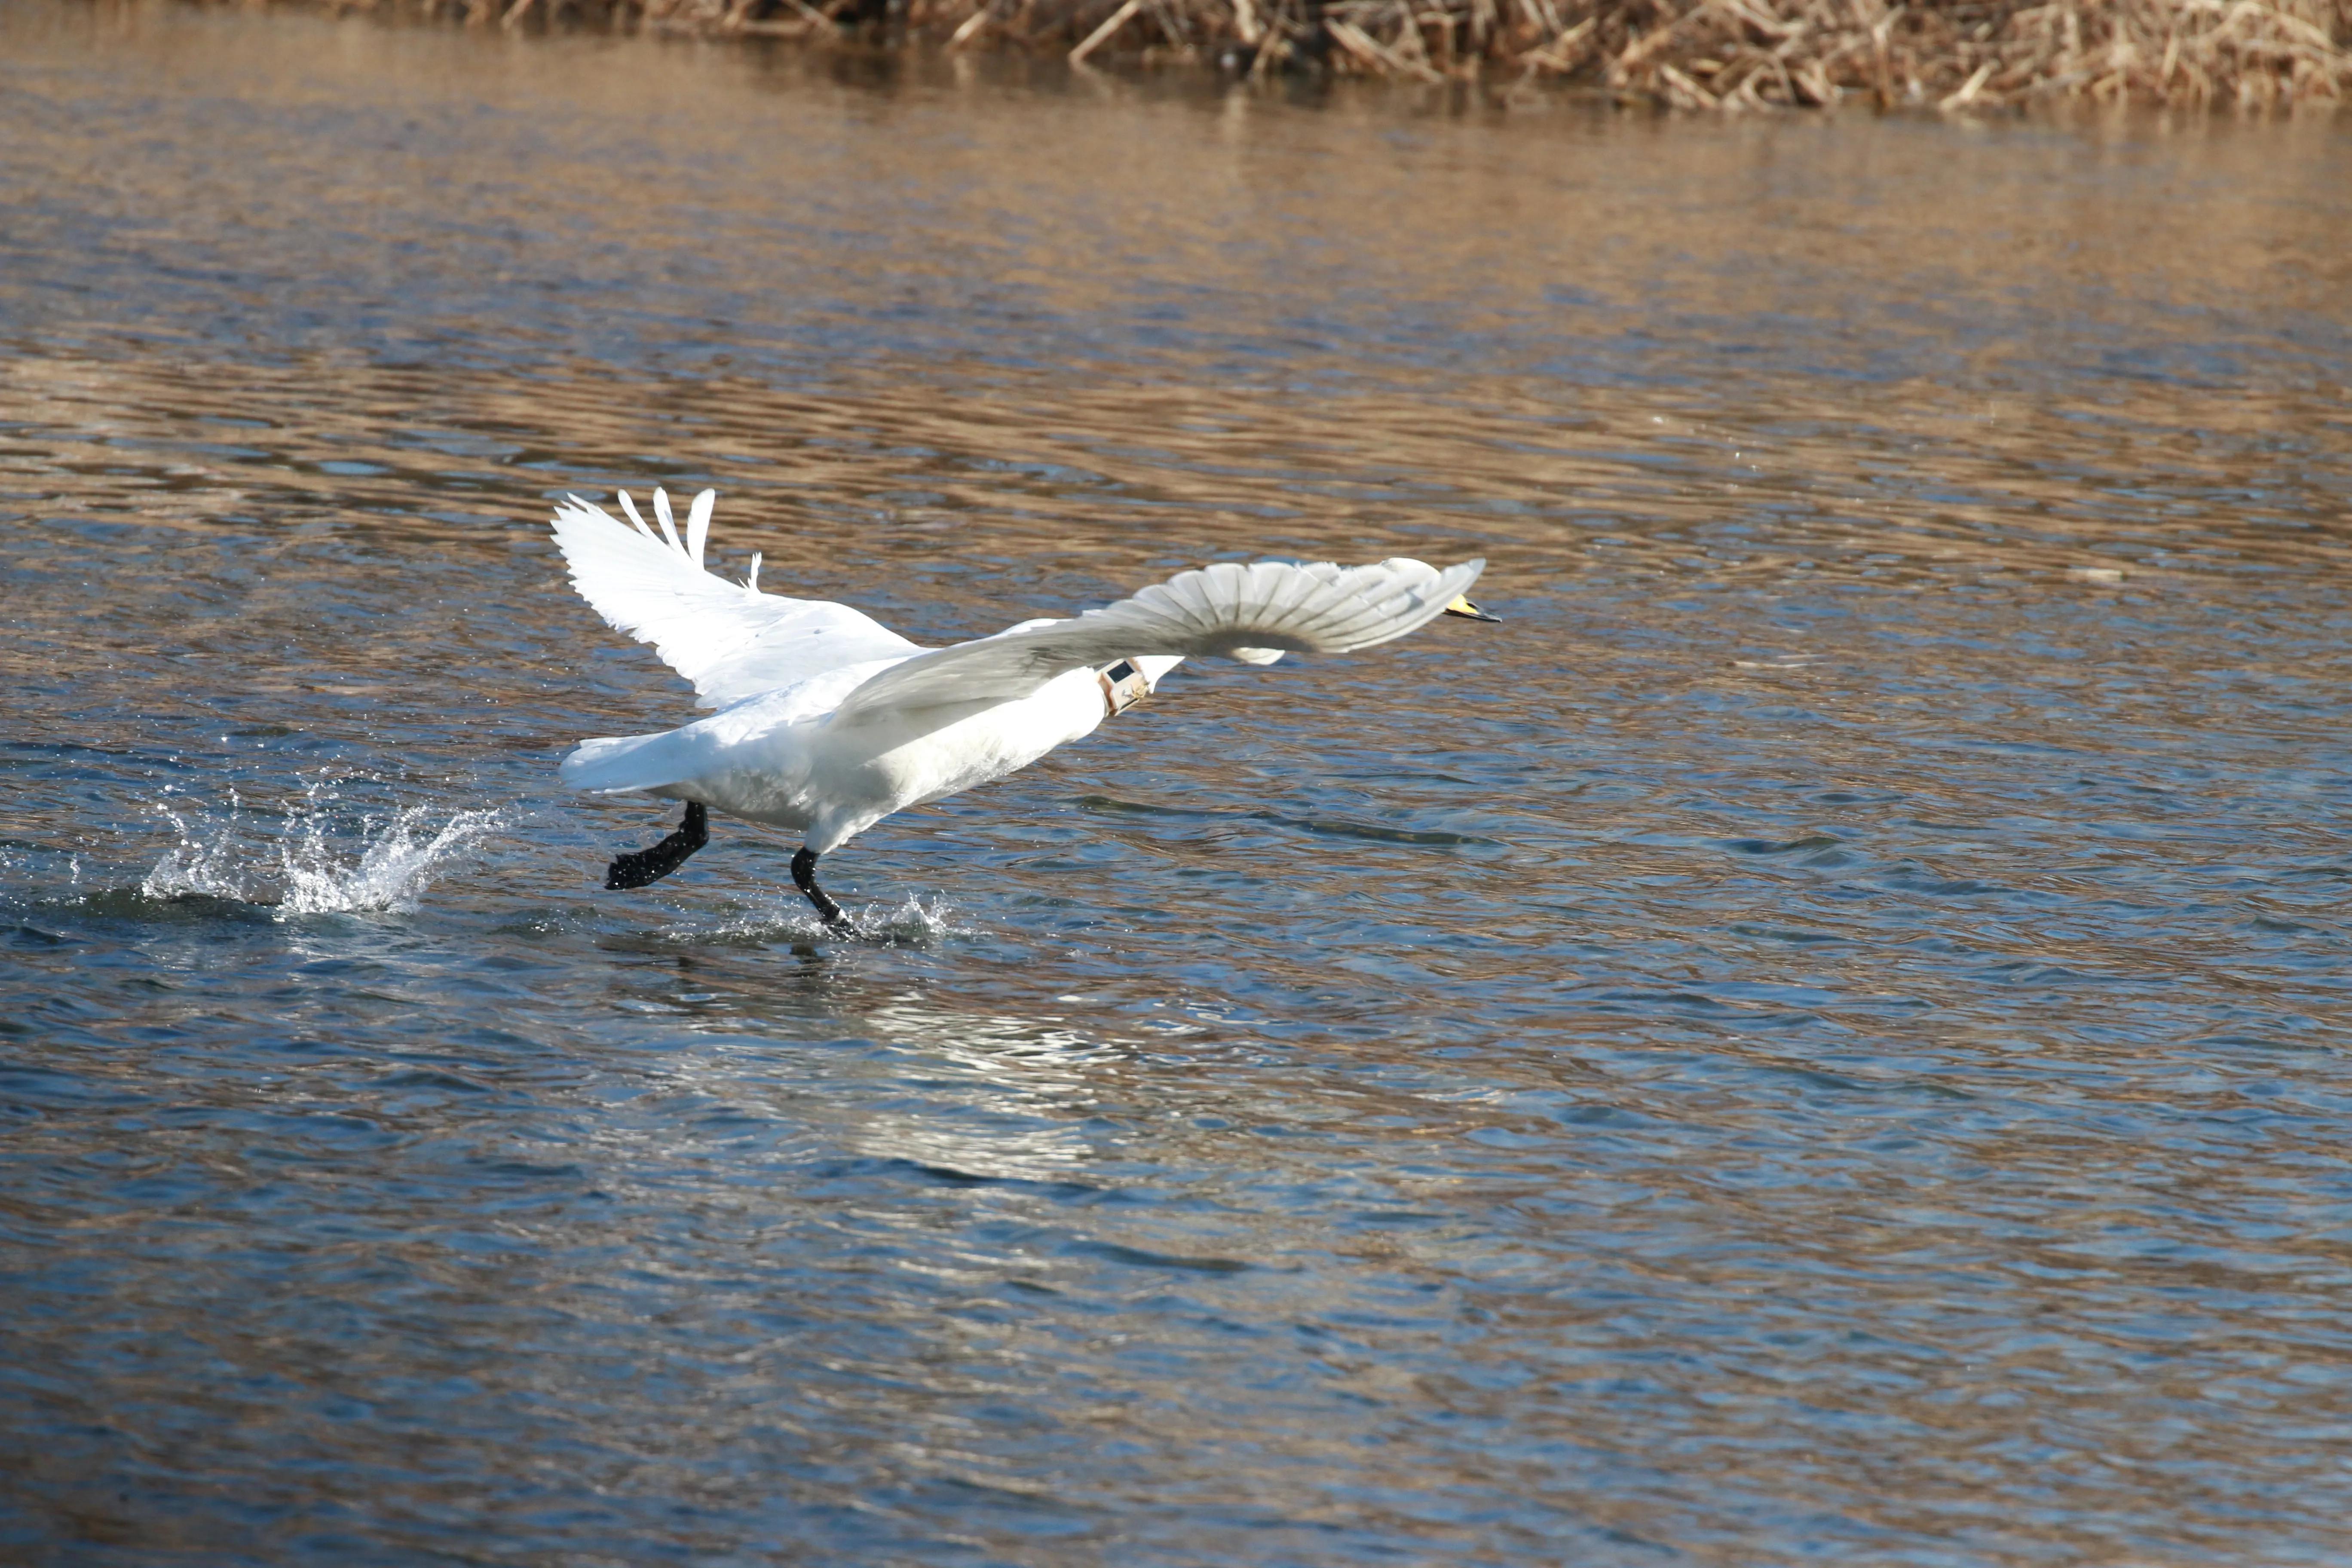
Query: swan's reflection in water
(1020, 1085)
(877, 1070)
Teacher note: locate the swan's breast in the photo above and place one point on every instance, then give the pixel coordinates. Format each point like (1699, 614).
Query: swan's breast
(930, 764)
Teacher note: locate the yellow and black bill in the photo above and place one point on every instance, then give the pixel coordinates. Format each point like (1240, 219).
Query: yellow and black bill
(1469, 612)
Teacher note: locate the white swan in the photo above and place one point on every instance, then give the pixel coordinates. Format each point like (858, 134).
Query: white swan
(828, 721)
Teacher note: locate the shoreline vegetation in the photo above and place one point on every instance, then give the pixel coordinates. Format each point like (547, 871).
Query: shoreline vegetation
(1724, 55)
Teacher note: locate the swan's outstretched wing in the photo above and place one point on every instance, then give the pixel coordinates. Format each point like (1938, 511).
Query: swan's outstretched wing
(729, 638)
(1254, 613)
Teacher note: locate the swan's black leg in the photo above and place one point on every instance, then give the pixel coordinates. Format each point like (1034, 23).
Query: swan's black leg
(805, 878)
(639, 867)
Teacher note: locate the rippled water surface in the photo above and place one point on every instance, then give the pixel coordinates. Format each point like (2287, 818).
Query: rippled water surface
(1823, 1037)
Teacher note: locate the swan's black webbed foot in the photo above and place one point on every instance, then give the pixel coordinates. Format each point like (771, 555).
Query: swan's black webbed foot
(805, 878)
(643, 866)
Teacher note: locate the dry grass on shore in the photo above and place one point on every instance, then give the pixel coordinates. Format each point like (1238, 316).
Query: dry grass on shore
(1690, 54)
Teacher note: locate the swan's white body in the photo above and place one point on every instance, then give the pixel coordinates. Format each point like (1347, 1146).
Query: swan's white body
(827, 721)
(783, 758)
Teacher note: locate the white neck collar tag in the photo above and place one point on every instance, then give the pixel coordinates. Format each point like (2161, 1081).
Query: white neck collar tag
(1123, 685)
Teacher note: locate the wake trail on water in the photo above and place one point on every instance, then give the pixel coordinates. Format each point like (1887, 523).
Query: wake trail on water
(385, 865)
(912, 922)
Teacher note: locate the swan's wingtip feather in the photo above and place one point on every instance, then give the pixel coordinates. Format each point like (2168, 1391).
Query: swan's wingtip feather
(698, 524)
(667, 519)
(629, 505)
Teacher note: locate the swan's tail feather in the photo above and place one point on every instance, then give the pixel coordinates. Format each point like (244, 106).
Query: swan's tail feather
(619, 764)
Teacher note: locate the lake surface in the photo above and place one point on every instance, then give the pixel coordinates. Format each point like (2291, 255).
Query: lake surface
(1822, 1039)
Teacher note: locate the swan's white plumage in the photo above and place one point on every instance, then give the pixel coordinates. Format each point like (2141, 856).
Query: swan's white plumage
(729, 640)
(829, 721)
(1263, 610)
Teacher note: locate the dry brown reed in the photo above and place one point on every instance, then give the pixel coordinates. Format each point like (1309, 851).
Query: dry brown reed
(1957, 55)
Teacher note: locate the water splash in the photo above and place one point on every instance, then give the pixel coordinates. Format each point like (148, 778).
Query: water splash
(199, 864)
(315, 869)
(394, 869)
(911, 922)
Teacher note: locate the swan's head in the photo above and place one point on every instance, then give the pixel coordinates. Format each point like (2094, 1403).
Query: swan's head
(1469, 612)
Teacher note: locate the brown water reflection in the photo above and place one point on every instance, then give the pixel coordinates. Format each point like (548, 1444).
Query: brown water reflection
(1818, 1039)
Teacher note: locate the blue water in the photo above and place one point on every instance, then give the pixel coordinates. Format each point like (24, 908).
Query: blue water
(1821, 1038)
